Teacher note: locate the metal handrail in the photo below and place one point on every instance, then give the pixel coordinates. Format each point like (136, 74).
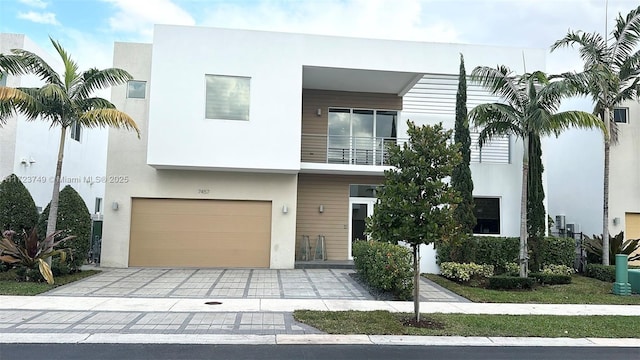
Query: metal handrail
(343, 149)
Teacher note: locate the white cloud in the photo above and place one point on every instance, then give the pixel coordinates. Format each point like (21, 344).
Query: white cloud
(35, 3)
(39, 17)
(139, 16)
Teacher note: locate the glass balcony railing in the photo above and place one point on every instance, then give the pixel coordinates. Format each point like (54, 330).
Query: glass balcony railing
(339, 149)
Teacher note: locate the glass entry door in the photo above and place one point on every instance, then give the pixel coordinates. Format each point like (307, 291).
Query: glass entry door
(361, 208)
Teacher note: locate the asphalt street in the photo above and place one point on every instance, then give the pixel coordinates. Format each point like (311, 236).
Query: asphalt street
(303, 352)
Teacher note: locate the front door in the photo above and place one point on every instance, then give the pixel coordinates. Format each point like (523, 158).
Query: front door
(361, 209)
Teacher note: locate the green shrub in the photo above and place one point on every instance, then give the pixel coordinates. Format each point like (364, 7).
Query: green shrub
(511, 269)
(556, 251)
(617, 245)
(551, 279)
(17, 209)
(503, 282)
(471, 273)
(601, 272)
(385, 267)
(73, 219)
(489, 250)
(558, 270)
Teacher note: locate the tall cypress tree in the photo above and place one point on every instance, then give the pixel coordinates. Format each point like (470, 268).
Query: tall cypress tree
(461, 177)
(535, 197)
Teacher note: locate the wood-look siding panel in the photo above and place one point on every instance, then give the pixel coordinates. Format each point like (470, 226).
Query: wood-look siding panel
(332, 191)
(314, 127)
(200, 233)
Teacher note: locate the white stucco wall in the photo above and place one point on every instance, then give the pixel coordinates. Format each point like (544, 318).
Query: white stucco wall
(270, 140)
(127, 159)
(624, 175)
(38, 144)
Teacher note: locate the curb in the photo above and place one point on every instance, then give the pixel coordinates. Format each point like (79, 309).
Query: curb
(320, 339)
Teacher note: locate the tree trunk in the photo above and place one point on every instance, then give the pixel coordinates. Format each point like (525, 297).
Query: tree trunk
(523, 258)
(605, 192)
(416, 282)
(53, 207)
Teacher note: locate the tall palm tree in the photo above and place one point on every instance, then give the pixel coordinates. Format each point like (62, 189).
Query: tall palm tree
(528, 110)
(611, 75)
(62, 101)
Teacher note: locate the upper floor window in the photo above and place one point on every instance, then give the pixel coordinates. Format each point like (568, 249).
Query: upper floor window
(620, 115)
(98, 206)
(3, 79)
(76, 131)
(487, 212)
(360, 136)
(136, 89)
(227, 97)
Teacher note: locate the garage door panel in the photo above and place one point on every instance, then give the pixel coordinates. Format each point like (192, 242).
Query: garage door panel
(200, 233)
(632, 230)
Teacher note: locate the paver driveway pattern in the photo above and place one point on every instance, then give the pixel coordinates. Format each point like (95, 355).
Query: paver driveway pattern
(219, 283)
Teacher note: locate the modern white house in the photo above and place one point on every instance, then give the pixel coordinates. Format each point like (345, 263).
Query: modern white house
(29, 149)
(624, 174)
(253, 141)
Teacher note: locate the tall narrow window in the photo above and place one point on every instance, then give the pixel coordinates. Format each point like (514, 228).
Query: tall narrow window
(620, 115)
(227, 97)
(76, 131)
(487, 211)
(136, 89)
(3, 79)
(98, 208)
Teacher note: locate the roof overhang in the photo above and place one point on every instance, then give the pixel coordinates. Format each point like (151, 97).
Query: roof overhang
(358, 80)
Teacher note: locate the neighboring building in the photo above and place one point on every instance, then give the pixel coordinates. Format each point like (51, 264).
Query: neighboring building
(253, 140)
(624, 173)
(29, 148)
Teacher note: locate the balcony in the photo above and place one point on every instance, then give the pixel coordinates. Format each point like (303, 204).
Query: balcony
(348, 150)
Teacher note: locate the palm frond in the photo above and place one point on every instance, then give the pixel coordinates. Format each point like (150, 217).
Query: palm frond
(485, 115)
(108, 117)
(54, 93)
(70, 66)
(500, 81)
(497, 128)
(593, 48)
(14, 101)
(578, 119)
(94, 103)
(626, 34)
(23, 62)
(94, 79)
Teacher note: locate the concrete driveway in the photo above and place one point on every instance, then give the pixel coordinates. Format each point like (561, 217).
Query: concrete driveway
(219, 283)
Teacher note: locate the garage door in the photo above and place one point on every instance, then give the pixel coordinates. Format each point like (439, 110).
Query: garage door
(200, 233)
(632, 229)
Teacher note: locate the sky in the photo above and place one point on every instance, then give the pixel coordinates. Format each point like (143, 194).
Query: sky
(88, 28)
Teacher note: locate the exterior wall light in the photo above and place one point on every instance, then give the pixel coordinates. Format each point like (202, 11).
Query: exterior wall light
(115, 206)
(321, 208)
(285, 209)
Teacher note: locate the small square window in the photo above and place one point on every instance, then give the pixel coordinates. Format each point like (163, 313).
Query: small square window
(76, 131)
(487, 212)
(620, 115)
(136, 89)
(227, 97)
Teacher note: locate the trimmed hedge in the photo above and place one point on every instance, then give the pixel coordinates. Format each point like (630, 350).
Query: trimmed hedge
(551, 279)
(557, 251)
(601, 272)
(17, 208)
(502, 282)
(498, 251)
(385, 267)
(73, 219)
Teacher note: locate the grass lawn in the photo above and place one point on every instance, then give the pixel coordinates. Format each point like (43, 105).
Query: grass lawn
(582, 290)
(8, 285)
(386, 323)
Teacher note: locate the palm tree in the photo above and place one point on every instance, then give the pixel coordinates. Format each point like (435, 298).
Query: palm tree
(62, 101)
(528, 110)
(610, 76)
